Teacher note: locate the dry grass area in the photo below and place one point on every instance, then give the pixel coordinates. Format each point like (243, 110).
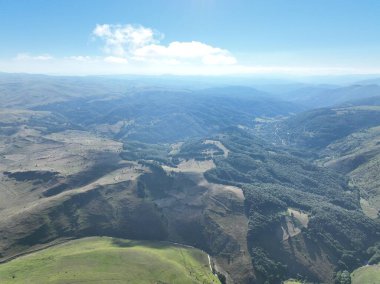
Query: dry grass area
(40, 172)
(20, 115)
(302, 217)
(200, 167)
(292, 281)
(224, 205)
(220, 146)
(67, 152)
(289, 230)
(112, 129)
(77, 159)
(191, 166)
(216, 188)
(20, 205)
(368, 208)
(175, 148)
(295, 220)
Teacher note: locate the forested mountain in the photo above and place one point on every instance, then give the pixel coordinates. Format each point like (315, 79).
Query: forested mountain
(344, 137)
(270, 189)
(327, 96)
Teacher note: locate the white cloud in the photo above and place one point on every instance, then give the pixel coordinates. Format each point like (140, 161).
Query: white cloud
(218, 59)
(185, 51)
(114, 59)
(27, 56)
(120, 39)
(143, 44)
(130, 49)
(103, 66)
(80, 58)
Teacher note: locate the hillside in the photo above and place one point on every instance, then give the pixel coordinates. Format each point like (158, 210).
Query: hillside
(344, 138)
(366, 274)
(199, 141)
(268, 191)
(27, 91)
(303, 219)
(106, 260)
(316, 129)
(358, 156)
(327, 96)
(166, 116)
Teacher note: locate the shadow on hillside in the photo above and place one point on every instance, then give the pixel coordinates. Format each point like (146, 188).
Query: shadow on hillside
(135, 243)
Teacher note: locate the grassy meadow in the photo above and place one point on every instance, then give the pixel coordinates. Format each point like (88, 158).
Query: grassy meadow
(366, 275)
(110, 260)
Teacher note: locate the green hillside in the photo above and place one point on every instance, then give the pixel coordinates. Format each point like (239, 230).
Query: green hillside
(345, 139)
(358, 156)
(299, 213)
(366, 275)
(110, 260)
(318, 128)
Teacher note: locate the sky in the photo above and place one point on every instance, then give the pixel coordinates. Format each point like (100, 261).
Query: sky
(190, 37)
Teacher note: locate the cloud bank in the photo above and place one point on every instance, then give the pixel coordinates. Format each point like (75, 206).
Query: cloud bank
(27, 56)
(141, 44)
(135, 49)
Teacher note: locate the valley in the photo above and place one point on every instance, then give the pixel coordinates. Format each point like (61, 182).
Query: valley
(269, 188)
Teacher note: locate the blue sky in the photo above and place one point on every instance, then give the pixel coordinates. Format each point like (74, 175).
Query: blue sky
(190, 36)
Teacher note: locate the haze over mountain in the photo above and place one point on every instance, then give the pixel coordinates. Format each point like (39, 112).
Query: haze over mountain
(323, 96)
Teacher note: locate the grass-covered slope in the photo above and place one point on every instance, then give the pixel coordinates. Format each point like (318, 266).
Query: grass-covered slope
(110, 260)
(369, 274)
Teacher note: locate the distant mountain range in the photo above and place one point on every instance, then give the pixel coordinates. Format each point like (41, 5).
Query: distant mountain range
(322, 96)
